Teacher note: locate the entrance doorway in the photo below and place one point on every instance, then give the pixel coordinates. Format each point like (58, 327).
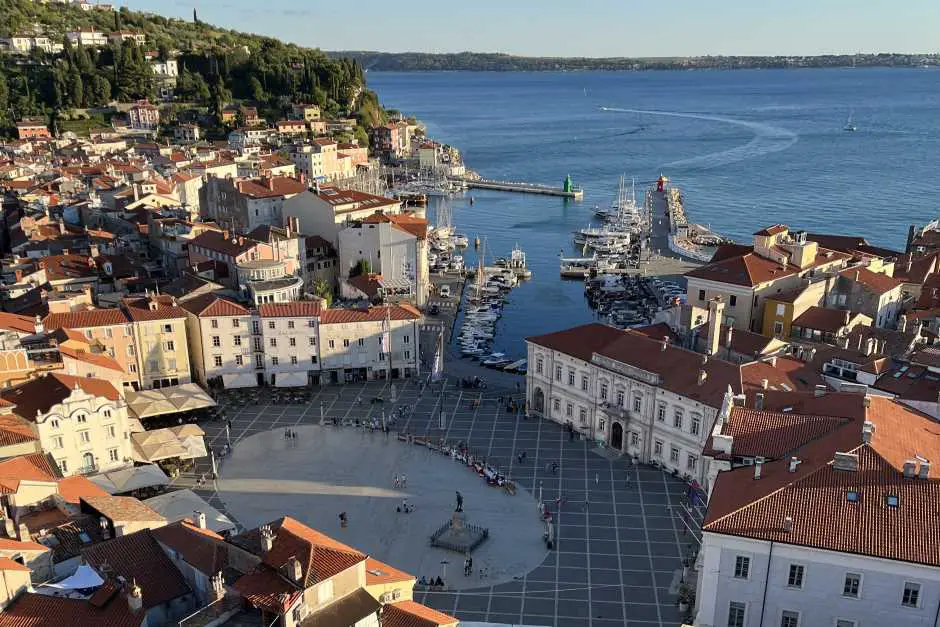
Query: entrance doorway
(616, 436)
(538, 400)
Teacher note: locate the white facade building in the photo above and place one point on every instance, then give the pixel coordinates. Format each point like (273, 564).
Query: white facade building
(220, 342)
(289, 341)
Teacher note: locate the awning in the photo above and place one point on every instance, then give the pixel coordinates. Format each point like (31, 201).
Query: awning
(184, 442)
(171, 400)
(84, 578)
(129, 479)
(182, 504)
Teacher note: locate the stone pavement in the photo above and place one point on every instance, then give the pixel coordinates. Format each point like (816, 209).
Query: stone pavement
(620, 545)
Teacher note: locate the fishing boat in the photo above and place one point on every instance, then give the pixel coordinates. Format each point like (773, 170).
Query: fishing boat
(850, 124)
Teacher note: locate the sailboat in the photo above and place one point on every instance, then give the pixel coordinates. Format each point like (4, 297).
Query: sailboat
(850, 124)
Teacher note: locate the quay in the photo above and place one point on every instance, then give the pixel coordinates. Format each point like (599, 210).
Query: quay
(567, 191)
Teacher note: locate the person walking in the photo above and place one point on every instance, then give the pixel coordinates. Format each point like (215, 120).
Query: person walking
(597, 478)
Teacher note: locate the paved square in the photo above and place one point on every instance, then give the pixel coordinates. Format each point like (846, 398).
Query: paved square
(620, 545)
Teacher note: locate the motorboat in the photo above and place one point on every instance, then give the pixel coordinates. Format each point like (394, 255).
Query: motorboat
(514, 366)
(460, 241)
(496, 360)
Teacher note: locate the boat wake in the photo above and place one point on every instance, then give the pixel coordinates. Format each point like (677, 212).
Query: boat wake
(767, 139)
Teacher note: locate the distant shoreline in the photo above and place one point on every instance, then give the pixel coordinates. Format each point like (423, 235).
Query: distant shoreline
(493, 62)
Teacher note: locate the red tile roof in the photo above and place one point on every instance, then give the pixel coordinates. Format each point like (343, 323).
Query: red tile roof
(138, 309)
(85, 319)
(38, 610)
(123, 508)
(822, 319)
(876, 282)
(271, 188)
(580, 342)
(411, 614)
(40, 394)
(30, 467)
(381, 573)
(73, 489)
(212, 306)
(101, 360)
(8, 564)
(294, 309)
(16, 322)
(203, 549)
(9, 544)
(750, 269)
(138, 557)
(402, 311)
(773, 230)
(229, 246)
(15, 430)
(266, 590)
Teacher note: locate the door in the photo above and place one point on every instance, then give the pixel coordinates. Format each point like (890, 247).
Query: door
(538, 400)
(616, 436)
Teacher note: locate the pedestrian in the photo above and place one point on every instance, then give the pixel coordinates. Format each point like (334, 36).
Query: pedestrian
(404, 480)
(597, 478)
(586, 504)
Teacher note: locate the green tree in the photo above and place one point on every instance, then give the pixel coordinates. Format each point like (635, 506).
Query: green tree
(256, 89)
(76, 89)
(98, 92)
(322, 289)
(362, 267)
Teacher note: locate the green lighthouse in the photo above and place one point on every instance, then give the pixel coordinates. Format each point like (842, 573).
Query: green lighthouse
(568, 186)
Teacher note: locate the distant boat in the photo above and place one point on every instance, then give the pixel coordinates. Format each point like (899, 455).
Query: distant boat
(850, 124)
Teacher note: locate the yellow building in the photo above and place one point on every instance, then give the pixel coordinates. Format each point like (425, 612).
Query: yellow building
(388, 584)
(160, 339)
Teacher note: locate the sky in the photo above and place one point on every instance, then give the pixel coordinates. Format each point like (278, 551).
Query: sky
(594, 28)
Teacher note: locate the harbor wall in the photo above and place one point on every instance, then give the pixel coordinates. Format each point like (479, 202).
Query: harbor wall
(674, 247)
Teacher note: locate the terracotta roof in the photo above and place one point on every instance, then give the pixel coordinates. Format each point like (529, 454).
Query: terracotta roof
(8, 564)
(773, 434)
(271, 188)
(123, 508)
(773, 230)
(407, 222)
(293, 309)
(138, 309)
(782, 373)
(101, 360)
(74, 533)
(743, 342)
(40, 394)
(921, 268)
(73, 489)
(361, 200)
(750, 269)
(39, 610)
(368, 284)
(61, 267)
(230, 246)
(203, 549)
(29, 467)
(910, 382)
(266, 590)
(402, 311)
(212, 306)
(822, 319)
(18, 323)
(657, 332)
(411, 614)
(876, 282)
(15, 430)
(85, 319)
(580, 342)
(9, 544)
(138, 557)
(378, 573)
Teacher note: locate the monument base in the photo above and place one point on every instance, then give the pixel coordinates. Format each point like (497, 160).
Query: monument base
(459, 536)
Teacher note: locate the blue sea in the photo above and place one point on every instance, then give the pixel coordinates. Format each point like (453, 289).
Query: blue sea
(748, 148)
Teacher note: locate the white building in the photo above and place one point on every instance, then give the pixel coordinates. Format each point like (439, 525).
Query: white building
(834, 522)
(637, 393)
(325, 212)
(289, 342)
(80, 422)
(166, 68)
(220, 342)
(87, 37)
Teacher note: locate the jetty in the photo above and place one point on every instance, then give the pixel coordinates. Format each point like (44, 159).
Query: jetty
(568, 190)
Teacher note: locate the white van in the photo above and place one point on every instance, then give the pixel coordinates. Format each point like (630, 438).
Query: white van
(445, 291)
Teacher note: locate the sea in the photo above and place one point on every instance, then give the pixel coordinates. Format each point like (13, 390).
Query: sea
(749, 148)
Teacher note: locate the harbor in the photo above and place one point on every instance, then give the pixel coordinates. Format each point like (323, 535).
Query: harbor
(567, 190)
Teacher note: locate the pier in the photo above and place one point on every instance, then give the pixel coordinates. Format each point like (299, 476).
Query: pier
(568, 191)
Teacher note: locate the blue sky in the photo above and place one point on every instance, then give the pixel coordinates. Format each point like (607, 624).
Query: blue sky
(582, 28)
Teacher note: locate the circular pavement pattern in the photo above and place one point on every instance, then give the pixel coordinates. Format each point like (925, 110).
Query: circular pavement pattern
(328, 470)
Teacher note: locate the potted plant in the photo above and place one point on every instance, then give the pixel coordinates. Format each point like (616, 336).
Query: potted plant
(686, 597)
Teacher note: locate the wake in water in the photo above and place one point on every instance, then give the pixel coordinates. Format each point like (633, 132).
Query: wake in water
(767, 139)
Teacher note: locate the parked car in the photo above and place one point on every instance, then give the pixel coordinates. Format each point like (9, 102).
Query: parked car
(445, 291)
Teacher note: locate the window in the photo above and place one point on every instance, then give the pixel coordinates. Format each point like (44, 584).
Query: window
(345, 343)
(84, 437)
(273, 341)
(637, 403)
(406, 339)
(742, 567)
(407, 354)
(661, 412)
(111, 431)
(218, 361)
(795, 578)
(82, 418)
(238, 340)
(271, 324)
(634, 439)
(132, 367)
(113, 454)
(63, 465)
(107, 413)
(556, 404)
(311, 323)
(569, 409)
(603, 391)
(259, 361)
(57, 442)
(733, 300)
(789, 618)
(851, 585)
(214, 323)
(332, 344)
(691, 463)
(674, 455)
(778, 328)
(538, 365)
(131, 350)
(911, 595)
(571, 377)
(168, 328)
(216, 341)
(235, 323)
(54, 423)
(108, 333)
(658, 448)
(736, 614)
(361, 342)
(313, 359)
(274, 361)
(600, 425)
(313, 341)
(290, 324)
(781, 310)
(292, 341)
(582, 415)
(557, 373)
(584, 383)
(892, 500)
(677, 419)
(701, 294)
(293, 360)
(255, 326)
(621, 398)
(696, 425)
(239, 361)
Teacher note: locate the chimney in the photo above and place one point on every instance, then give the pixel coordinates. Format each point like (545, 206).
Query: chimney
(93, 250)
(846, 318)
(788, 524)
(225, 234)
(38, 326)
(19, 275)
(868, 429)
(716, 308)
(23, 533)
(728, 335)
(271, 183)
(764, 383)
(296, 569)
(665, 342)
(870, 346)
(856, 275)
(61, 226)
(702, 375)
(845, 461)
(924, 469)
(759, 400)
(10, 528)
(267, 538)
(105, 528)
(794, 462)
(201, 519)
(135, 597)
(218, 585)
(910, 261)
(758, 466)
(909, 469)
(867, 402)
(819, 390)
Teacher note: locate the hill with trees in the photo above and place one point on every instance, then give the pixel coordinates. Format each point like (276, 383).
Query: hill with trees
(216, 66)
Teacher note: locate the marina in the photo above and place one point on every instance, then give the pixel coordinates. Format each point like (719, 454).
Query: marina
(568, 190)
